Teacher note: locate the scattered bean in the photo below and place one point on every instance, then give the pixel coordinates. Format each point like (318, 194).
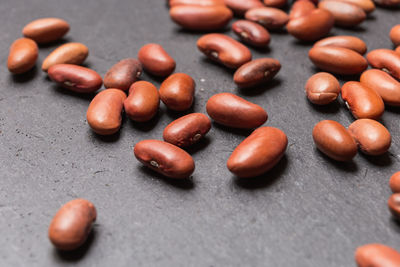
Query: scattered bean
(123, 74)
(156, 60)
(143, 101)
(322, 88)
(301, 8)
(345, 14)
(239, 7)
(196, 2)
(386, 60)
(70, 53)
(256, 72)
(177, 91)
(394, 182)
(275, 3)
(269, 17)
(22, 56)
(394, 207)
(251, 33)
(377, 255)
(350, 42)
(46, 30)
(367, 5)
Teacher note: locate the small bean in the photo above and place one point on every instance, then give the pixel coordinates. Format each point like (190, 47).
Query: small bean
(196, 2)
(394, 182)
(301, 8)
(367, 5)
(239, 7)
(322, 88)
(386, 60)
(251, 33)
(156, 60)
(70, 53)
(123, 74)
(143, 101)
(269, 17)
(177, 91)
(345, 14)
(349, 42)
(22, 56)
(394, 207)
(377, 255)
(46, 30)
(256, 72)
(275, 3)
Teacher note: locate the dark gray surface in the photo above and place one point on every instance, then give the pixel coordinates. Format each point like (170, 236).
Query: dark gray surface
(308, 211)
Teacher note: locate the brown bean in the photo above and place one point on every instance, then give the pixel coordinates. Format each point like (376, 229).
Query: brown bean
(239, 7)
(269, 17)
(372, 137)
(394, 207)
(46, 30)
(363, 102)
(70, 53)
(388, 3)
(258, 153)
(156, 60)
(123, 74)
(187, 130)
(394, 182)
(104, 112)
(143, 101)
(75, 78)
(22, 56)
(350, 42)
(337, 60)
(256, 72)
(164, 158)
(333, 139)
(301, 8)
(386, 60)
(275, 3)
(345, 14)
(251, 33)
(177, 91)
(233, 111)
(322, 88)
(317, 24)
(201, 18)
(384, 84)
(377, 255)
(223, 49)
(367, 5)
(196, 2)
(72, 223)
(397, 50)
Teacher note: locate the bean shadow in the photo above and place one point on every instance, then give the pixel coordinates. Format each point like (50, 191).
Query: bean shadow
(184, 184)
(58, 42)
(146, 126)
(348, 166)
(208, 61)
(199, 146)
(106, 138)
(77, 254)
(347, 78)
(392, 109)
(383, 160)
(353, 29)
(394, 224)
(63, 91)
(153, 78)
(237, 131)
(331, 108)
(262, 50)
(173, 114)
(24, 77)
(259, 89)
(180, 30)
(390, 8)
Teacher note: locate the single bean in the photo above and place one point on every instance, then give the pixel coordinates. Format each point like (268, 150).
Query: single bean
(72, 224)
(397, 50)
(388, 3)
(345, 14)
(377, 255)
(350, 42)
(269, 17)
(46, 30)
(258, 153)
(177, 91)
(156, 60)
(75, 78)
(104, 112)
(256, 72)
(201, 18)
(333, 139)
(143, 101)
(363, 102)
(372, 137)
(322, 88)
(251, 33)
(22, 56)
(123, 74)
(223, 49)
(386, 60)
(301, 8)
(187, 130)
(196, 2)
(394, 182)
(367, 5)
(338, 60)
(311, 27)
(384, 84)
(239, 7)
(165, 158)
(70, 53)
(275, 3)
(394, 207)
(233, 111)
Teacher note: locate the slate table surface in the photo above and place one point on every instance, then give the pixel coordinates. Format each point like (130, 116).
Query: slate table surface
(308, 211)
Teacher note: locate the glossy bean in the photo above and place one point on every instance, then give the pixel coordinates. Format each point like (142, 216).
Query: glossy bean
(269, 17)
(251, 33)
(177, 91)
(394, 182)
(275, 3)
(386, 60)
(143, 101)
(394, 207)
(363, 102)
(75, 78)
(397, 50)
(233, 111)
(196, 2)
(371, 137)
(72, 224)
(223, 49)
(366, 5)
(187, 130)
(322, 88)
(104, 112)
(22, 56)
(301, 8)
(239, 7)
(256, 72)
(123, 74)
(345, 14)
(156, 60)
(164, 158)
(338, 60)
(46, 30)
(377, 255)
(350, 42)
(69, 53)
(333, 139)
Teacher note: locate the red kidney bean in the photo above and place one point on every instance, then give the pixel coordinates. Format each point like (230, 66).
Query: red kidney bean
(256, 72)
(46, 30)
(69, 53)
(251, 33)
(301, 8)
(123, 74)
(377, 255)
(240, 7)
(196, 2)
(350, 42)
(177, 91)
(394, 207)
(345, 14)
(143, 101)
(275, 3)
(367, 5)
(395, 35)
(395, 182)
(22, 56)
(386, 60)
(322, 88)
(269, 17)
(156, 60)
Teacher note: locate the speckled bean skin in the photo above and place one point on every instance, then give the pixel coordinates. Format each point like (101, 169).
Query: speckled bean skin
(46, 30)
(394, 182)
(123, 74)
(258, 153)
(233, 111)
(372, 137)
(143, 101)
(165, 158)
(104, 112)
(367, 5)
(322, 88)
(350, 42)
(239, 7)
(377, 255)
(256, 72)
(75, 78)
(196, 2)
(395, 35)
(385, 59)
(269, 17)
(177, 91)
(394, 207)
(187, 130)
(333, 139)
(301, 8)
(69, 53)
(72, 224)
(345, 14)
(363, 102)
(22, 56)
(223, 49)
(251, 33)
